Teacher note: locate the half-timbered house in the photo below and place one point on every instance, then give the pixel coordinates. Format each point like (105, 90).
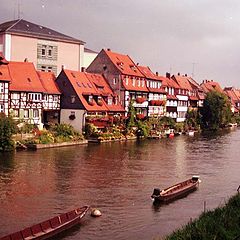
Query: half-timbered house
(4, 85)
(85, 94)
(125, 79)
(157, 95)
(26, 91)
(50, 98)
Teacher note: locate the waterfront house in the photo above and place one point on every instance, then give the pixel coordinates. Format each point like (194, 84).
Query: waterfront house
(26, 90)
(124, 78)
(170, 87)
(157, 95)
(50, 99)
(234, 96)
(4, 85)
(46, 48)
(182, 94)
(210, 85)
(84, 96)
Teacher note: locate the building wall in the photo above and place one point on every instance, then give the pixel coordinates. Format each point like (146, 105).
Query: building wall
(1, 43)
(22, 48)
(78, 122)
(68, 56)
(88, 58)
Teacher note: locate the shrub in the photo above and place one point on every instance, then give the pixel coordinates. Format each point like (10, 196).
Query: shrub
(7, 129)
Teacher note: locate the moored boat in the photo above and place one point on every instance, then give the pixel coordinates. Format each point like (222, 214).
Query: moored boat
(176, 191)
(51, 227)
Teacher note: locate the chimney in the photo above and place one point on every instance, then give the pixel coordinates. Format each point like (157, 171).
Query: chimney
(109, 49)
(83, 69)
(168, 75)
(25, 60)
(178, 74)
(185, 75)
(63, 67)
(137, 64)
(157, 73)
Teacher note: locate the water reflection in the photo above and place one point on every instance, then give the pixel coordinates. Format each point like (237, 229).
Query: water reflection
(119, 179)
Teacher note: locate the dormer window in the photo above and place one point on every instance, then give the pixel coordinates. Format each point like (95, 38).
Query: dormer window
(133, 81)
(114, 81)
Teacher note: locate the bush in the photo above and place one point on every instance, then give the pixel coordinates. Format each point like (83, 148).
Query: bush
(7, 129)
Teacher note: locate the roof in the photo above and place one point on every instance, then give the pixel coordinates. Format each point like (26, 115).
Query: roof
(183, 82)
(89, 50)
(24, 28)
(146, 71)
(4, 73)
(232, 93)
(124, 63)
(2, 59)
(208, 86)
(48, 81)
(83, 86)
(169, 82)
(24, 77)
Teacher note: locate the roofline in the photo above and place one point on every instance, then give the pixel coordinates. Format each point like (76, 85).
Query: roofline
(43, 36)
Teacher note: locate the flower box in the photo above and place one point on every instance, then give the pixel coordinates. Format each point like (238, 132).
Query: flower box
(140, 116)
(140, 100)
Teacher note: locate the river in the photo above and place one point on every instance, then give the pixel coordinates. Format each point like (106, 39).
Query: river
(118, 178)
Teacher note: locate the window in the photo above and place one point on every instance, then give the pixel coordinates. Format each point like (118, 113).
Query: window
(43, 50)
(1, 87)
(73, 99)
(110, 101)
(15, 113)
(50, 51)
(35, 113)
(133, 81)
(1, 108)
(126, 80)
(114, 81)
(26, 113)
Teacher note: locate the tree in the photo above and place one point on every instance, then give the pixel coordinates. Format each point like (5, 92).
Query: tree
(192, 119)
(7, 129)
(216, 111)
(132, 115)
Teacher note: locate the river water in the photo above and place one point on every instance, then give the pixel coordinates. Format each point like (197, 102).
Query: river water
(118, 179)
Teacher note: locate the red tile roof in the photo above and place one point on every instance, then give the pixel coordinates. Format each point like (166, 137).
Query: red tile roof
(183, 82)
(124, 63)
(208, 86)
(168, 82)
(232, 94)
(24, 77)
(91, 84)
(48, 81)
(104, 89)
(146, 71)
(4, 73)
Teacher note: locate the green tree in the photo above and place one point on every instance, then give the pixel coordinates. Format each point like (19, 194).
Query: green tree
(192, 119)
(216, 111)
(7, 129)
(132, 116)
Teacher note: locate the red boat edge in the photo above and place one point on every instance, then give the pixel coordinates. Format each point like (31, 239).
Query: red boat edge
(51, 227)
(176, 191)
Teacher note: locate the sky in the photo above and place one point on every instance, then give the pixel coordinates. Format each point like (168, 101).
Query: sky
(200, 38)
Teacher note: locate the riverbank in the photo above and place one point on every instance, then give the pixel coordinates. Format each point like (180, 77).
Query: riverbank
(221, 223)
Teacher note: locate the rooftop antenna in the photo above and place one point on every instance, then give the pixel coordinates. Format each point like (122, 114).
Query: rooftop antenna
(19, 10)
(193, 68)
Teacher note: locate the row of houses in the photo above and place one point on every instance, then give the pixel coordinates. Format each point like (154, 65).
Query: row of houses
(71, 92)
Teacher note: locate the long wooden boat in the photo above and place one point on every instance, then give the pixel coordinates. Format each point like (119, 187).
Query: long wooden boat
(176, 191)
(51, 227)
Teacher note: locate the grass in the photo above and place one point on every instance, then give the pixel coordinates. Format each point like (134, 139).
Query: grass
(223, 223)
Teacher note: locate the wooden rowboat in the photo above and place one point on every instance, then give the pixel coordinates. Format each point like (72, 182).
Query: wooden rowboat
(51, 227)
(176, 191)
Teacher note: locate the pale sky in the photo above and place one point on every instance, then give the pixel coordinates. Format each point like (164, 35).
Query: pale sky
(187, 36)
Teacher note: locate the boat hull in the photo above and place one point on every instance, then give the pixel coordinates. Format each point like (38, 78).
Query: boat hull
(176, 191)
(50, 228)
